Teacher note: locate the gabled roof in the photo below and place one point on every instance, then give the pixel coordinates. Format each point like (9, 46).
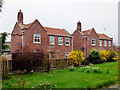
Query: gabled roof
(86, 32)
(103, 36)
(52, 31)
(56, 31)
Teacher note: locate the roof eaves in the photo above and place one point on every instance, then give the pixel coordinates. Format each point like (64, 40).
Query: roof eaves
(58, 35)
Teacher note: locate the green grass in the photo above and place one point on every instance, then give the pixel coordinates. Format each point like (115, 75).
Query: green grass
(71, 79)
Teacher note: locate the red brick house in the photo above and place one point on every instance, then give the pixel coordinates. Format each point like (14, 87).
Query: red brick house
(89, 39)
(57, 43)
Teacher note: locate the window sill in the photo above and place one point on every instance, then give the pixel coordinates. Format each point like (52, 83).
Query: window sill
(93, 45)
(52, 44)
(37, 42)
(68, 45)
(60, 44)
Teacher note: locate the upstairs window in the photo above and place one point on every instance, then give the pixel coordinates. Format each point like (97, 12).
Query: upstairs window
(67, 41)
(105, 42)
(60, 40)
(52, 40)
(93, 41)
(37, 38)
(109, 43)
(100, 42)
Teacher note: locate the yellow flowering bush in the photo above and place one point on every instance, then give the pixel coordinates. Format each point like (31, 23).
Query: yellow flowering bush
(76, 57)
(105, 55)
(109, 55)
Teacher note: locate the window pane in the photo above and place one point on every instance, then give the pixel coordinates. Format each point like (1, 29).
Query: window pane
(100, 42)
(105, 42)
(51, 39)
(37, 38)
(60, 40)
(93, 41)
(67, 41)
(109, 43)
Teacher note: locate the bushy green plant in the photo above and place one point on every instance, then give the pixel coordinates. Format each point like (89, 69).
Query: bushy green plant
(95, 57)
(85, 62)
(88, 71)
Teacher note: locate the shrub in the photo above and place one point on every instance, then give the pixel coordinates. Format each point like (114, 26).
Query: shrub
(27, 60)
(85, 62)
(95, 57)
(60, 63)
(113, 56)
(76, 57)
(109, 56)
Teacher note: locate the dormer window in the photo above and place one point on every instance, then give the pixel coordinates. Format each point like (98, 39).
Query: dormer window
(93, 42)
(37, 38)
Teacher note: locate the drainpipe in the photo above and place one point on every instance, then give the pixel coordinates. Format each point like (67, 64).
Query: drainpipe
(22, 40)
(72, 43)
(85, 45)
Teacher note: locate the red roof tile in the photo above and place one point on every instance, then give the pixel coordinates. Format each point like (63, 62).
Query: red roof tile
(103, 36)
(86, 32)
(55, 31)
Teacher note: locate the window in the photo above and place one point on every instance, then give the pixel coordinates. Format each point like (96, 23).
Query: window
(109, 43)
(105, 42)
(67, 41)
(60, 40)
(66, 54)
(37, 38)
(93, 41)
(100, 42)
(52, 40)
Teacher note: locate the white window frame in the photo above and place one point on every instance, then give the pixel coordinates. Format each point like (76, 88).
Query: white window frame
(100, 42)
(52, 38)
(105, 42)
(60, 40)
(109, 42)
(67, 41)
(93, 41)
(38, 38)
(66, 54)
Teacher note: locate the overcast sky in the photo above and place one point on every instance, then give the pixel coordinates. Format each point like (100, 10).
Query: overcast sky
(98, 14)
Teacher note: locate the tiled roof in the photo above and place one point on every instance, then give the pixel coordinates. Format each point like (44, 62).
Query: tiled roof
(56, 31)
(103, 36)
(86, 32)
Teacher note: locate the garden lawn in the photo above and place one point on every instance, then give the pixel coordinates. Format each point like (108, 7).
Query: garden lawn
(95, 76)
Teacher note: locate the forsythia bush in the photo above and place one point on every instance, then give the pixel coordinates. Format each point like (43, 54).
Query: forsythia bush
(105, 55)
(109, 56)
(76, 57)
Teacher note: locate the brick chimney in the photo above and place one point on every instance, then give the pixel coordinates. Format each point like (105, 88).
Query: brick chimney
(20, 17)
(79, 26)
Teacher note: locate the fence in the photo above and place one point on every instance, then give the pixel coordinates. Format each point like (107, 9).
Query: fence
(6, 62)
